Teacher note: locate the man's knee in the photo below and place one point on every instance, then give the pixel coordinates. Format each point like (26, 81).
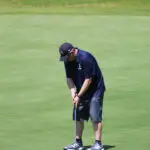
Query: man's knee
(96, 111)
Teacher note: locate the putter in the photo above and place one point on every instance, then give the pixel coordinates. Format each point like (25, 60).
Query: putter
(75, 120)
(75, 125)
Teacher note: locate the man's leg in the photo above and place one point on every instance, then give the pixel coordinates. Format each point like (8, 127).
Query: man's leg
(78, 141)
(96, 117)
(82, 114)
(79, 129)
(97, 127)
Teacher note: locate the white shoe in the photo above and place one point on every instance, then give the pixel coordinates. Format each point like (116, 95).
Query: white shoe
(74, 146)
(96, 146)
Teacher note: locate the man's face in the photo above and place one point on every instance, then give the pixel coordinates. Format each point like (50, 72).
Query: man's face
(71, 57)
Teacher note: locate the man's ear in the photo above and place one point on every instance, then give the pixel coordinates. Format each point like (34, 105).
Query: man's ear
(73, 50)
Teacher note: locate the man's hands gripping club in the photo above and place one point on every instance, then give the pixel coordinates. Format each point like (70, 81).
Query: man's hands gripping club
(76, 100)
(84, 88)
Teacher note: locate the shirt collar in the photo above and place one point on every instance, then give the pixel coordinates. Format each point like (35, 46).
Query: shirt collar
(78, 56)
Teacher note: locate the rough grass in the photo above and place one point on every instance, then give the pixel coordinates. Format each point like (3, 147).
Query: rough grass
(126, 7)
(72, 2)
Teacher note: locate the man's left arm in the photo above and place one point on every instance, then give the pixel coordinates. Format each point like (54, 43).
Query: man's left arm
(85, 86)
(88, 72)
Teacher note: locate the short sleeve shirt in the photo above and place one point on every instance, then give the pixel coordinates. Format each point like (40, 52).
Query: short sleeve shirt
(84, 67)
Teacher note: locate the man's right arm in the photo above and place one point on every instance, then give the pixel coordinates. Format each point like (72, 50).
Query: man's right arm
(72, 87)
(70, 82)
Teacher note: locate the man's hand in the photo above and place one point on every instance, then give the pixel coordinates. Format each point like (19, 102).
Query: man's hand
(76, 100)
(73, 93)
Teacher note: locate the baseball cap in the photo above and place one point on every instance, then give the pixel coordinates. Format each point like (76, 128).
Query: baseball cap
(64, 50)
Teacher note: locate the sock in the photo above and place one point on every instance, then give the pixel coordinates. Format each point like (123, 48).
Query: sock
(79, 141)
(98, 142)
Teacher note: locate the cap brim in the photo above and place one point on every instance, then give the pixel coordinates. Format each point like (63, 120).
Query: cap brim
(63, 58)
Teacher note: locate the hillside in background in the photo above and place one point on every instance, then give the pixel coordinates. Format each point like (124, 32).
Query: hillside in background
(132, 7)
(72, 2)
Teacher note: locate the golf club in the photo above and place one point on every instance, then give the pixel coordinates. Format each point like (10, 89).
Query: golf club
(75, 126)
(75, 120)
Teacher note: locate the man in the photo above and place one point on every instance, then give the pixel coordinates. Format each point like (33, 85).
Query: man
(86, 84)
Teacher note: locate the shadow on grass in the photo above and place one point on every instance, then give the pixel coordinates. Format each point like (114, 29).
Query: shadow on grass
(106, 147)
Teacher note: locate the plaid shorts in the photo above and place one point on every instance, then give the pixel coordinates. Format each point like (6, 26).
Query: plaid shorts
(89, 109)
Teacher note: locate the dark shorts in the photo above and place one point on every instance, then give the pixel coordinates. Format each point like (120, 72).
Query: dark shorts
(89, 109)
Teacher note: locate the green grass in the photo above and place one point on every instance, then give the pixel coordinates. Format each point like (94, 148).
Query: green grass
(72, 2)
(104, 7)
(35, 105)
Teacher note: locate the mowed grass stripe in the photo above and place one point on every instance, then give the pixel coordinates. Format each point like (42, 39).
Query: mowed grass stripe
(35, 105)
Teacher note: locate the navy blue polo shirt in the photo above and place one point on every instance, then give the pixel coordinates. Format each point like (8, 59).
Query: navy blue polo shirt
(85, 66)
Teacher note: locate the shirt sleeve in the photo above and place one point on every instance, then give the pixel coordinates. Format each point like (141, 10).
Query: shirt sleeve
(67, 70)
(89, 69)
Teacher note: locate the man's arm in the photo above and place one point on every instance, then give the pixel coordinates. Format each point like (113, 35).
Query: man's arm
(85, 86)
(89, 73)
(70, 82)
(72, 87)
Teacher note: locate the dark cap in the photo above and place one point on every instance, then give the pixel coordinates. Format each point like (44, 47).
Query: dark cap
(64, 50)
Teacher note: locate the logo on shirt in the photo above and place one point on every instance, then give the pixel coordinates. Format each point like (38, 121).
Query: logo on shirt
(79, 67)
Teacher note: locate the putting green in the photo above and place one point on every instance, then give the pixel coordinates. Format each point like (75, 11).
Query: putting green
(35, 105)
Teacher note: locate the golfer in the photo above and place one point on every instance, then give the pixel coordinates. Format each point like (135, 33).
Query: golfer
(86, 84)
